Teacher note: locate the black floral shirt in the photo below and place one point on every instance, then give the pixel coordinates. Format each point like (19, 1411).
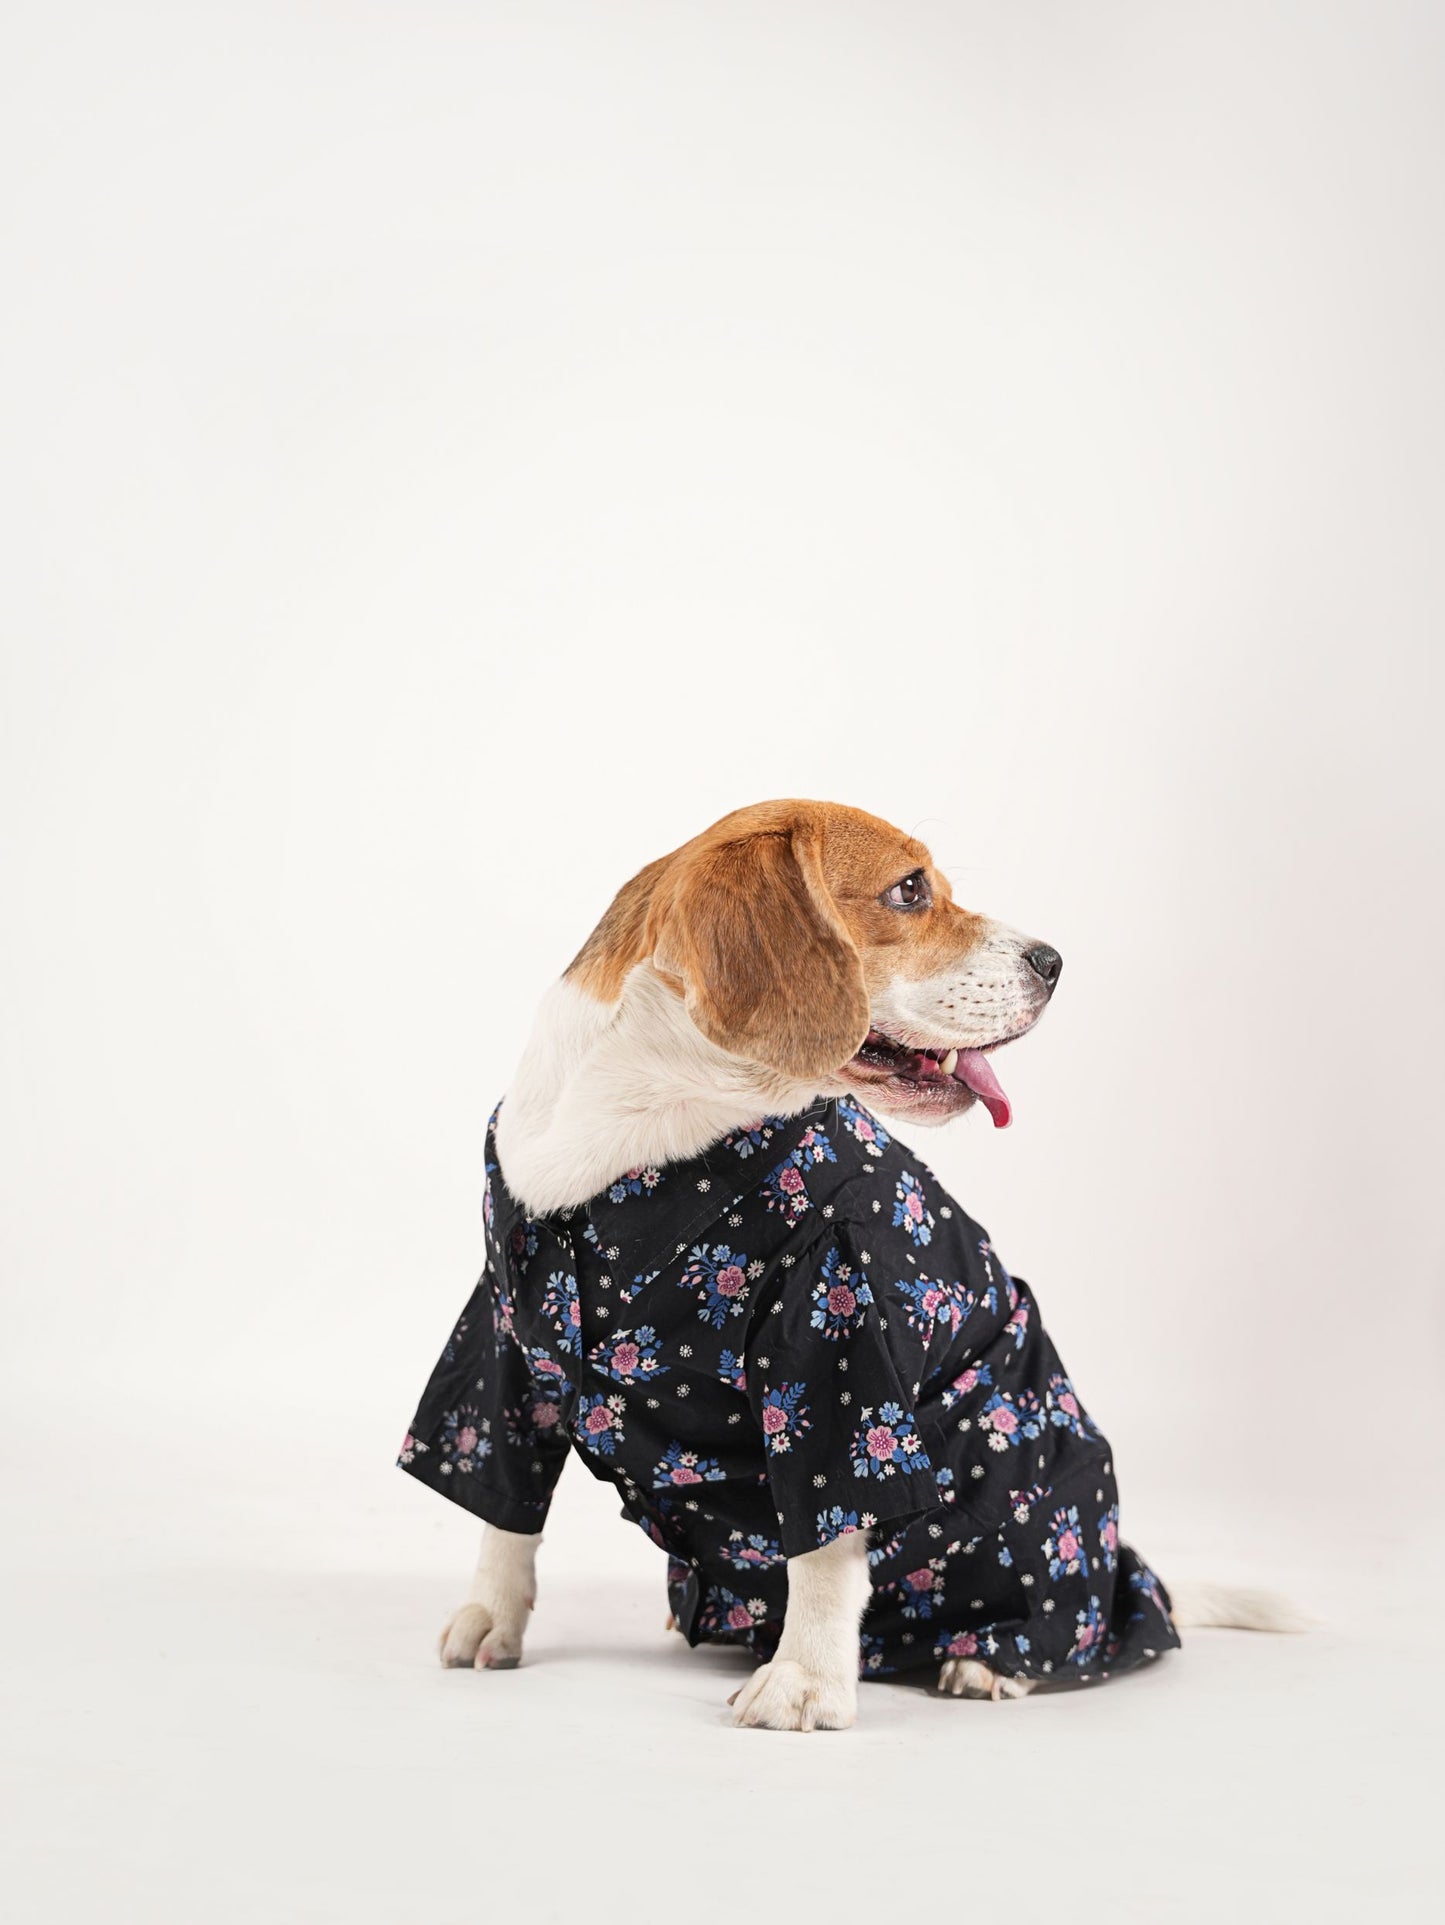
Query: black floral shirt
(797, 1334)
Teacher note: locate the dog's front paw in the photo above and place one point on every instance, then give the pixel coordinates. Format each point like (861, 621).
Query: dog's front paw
(784, 1696)
(489, 1640)
(970, 1678)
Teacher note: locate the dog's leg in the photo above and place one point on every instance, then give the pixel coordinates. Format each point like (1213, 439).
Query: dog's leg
(972, 1678)
(812, 1683)
(487, 1630)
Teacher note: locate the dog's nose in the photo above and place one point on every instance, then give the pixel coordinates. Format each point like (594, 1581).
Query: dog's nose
(1047, 964)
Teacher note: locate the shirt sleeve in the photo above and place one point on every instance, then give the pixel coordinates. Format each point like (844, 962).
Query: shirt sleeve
(490, 1431)
(843, 1448)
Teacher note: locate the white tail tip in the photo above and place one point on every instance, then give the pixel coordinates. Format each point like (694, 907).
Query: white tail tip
(1197, 1604)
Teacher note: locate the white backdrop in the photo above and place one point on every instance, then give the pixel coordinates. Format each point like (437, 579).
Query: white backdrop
(455, 453)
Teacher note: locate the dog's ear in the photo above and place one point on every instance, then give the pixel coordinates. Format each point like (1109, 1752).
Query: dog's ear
(749, 932)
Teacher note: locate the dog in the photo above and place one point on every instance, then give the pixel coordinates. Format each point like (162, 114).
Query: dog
(715, 1275)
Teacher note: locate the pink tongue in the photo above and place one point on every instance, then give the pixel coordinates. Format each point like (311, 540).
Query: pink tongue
(974, 1069)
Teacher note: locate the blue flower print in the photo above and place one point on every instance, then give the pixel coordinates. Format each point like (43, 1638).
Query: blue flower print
(599, 1424)
(1008, 1420)
(682, 1466)
(524, 1243)
(560, 1305)
(873, 1657)
(630, 1357)
(1064, 1407)
(836, 1522)
(1146, 1589)
(536, 1417)
(930, 1303)
(1018, 1324)
(721, 1280)
(839, 1297)
(785, 1416)
(863, 1125)
(910, 1211)
(785, 1189)
(1064, 1545)
(755, 1552)
(1088, 1634)
(722, 1611)
(464, 1440)
(638, 1182)
(921, 1591)
(730, 1370)
(967, 1379)
(754, 1136)
(888, 1443)
(545, 1369)
(1109, 1538)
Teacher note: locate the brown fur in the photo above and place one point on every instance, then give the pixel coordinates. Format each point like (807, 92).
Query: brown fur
(769, 924)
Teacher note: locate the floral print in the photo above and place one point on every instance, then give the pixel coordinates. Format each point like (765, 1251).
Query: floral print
(784, 1417)
(682, 1466)
(630, 1357)
(1010, 1419)
(748, 1346)
(634, 1183)
(563, 1310)
(785, 1189)
(910, 1211)
(599, 1424)
(888, 1443)
(720, 1279)
(840, 1298)
(862, 1127)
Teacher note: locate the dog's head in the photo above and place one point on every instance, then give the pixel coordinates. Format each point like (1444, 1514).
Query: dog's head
(822, 945)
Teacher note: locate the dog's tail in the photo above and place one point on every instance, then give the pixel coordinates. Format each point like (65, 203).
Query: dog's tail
(1196, 1604)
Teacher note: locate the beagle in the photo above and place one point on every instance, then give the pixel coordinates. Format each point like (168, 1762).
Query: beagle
(716, 1276)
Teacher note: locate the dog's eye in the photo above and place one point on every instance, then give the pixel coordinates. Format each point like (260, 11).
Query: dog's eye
(911, 893)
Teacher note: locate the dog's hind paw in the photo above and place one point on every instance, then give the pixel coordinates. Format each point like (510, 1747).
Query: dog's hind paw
(783, 1696)
(968, 1678)
(476, 1636)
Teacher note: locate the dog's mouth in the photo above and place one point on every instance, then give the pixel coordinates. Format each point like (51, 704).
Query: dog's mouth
(937, 1078)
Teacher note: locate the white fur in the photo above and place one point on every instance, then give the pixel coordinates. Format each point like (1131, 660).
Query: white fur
(994, 995)
(607, 1087)
(812, 1681)
(487, 1631)
(1196, 1605)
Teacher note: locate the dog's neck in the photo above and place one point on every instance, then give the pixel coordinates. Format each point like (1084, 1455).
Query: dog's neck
(603, 1088)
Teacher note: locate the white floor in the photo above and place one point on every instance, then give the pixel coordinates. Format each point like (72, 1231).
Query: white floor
(222, 1703)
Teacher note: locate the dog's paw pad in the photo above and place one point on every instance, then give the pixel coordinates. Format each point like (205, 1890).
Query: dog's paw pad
(970, 1678)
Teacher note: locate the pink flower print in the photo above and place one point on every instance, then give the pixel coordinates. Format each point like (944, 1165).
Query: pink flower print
(774, 1419)
(544, 1416)
(1109, 1536)
(730, 1281)
(881, 1442)
(624, 1359)
(913, 1204)
(924, 1580)
(739, 1618)
(1069, 1402)
(965, 1380)
(685, 1474)
(1068, 1544)
(963, 1645)
(599, 1418)
(841, 1301)
(932, 1298)
(466, 1440)
(790, 1181)
(1004, 1419)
